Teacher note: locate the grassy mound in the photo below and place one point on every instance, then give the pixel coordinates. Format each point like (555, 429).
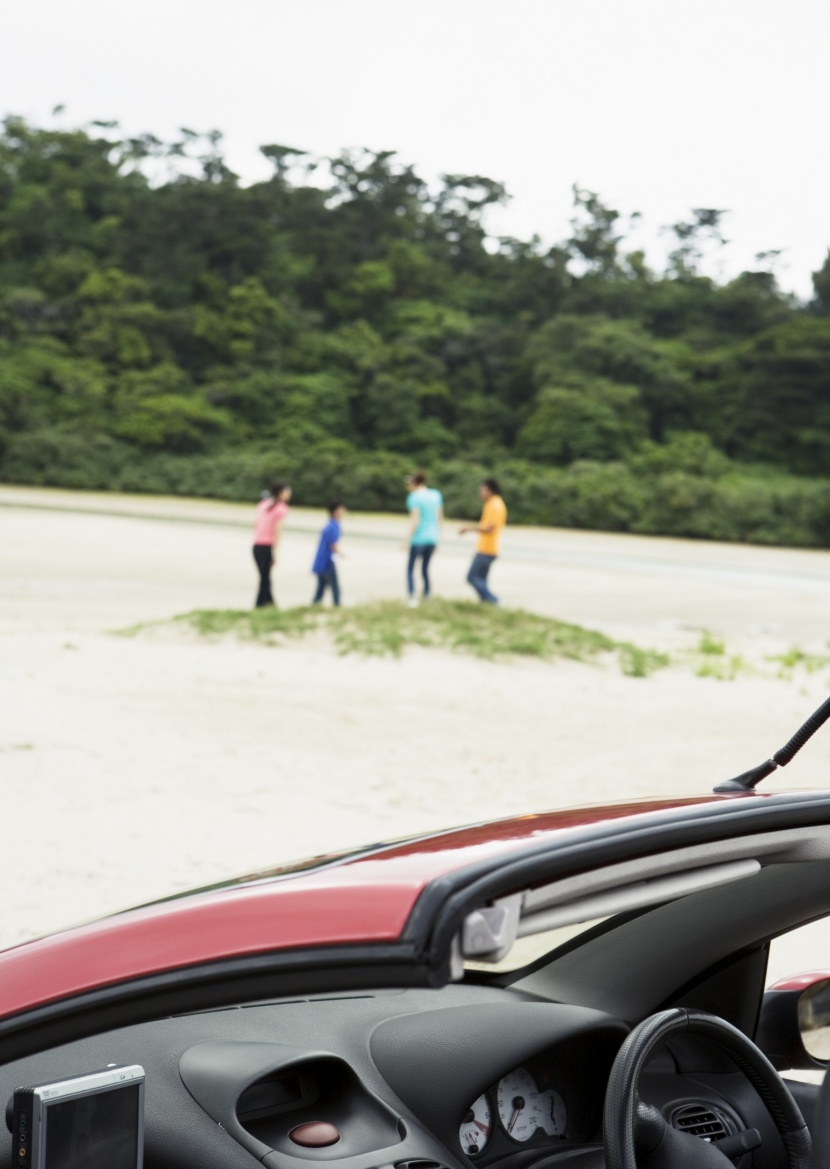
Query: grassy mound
(386, 628)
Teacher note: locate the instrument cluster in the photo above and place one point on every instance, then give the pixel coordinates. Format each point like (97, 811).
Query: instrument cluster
(518, 1107)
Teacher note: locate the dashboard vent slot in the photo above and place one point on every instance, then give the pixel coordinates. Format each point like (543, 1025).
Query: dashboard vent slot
(700, 1120)
(419, 1163)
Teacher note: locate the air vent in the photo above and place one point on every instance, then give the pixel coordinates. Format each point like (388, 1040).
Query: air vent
(701, 1121)
(419, 1163)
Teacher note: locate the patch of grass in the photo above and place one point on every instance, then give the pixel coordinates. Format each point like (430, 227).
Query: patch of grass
(641, 663)
(709, 659)
(710, 645)
(486, 631)
(386, 628)
(724, 669)
(796, 658)
(271, 626)
(268, 625)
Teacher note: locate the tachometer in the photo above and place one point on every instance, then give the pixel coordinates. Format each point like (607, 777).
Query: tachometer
(517, 1100)
(476, 1127)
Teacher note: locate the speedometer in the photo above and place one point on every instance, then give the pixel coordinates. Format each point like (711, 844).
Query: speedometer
(476, 1127)
(518, 1096)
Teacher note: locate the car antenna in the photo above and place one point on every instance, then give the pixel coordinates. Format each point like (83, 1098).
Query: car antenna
(747, 781)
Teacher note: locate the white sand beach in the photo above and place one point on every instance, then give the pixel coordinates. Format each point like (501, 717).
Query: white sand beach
(145, 765)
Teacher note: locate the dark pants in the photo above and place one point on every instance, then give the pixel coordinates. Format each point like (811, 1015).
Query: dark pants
(477, 577)
(422, 552)
(327, 579)
(264, 557)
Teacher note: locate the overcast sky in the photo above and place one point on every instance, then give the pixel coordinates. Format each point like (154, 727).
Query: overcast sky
(657, 105)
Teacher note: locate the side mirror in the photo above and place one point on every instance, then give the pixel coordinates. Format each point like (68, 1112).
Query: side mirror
(794, 1025)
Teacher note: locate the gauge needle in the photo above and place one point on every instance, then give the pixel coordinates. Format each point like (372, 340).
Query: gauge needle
(518, 1105)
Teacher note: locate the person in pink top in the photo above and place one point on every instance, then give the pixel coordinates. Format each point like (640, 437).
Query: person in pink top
(270, 513)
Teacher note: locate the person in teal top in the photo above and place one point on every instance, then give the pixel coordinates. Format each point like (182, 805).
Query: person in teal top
(426, 515)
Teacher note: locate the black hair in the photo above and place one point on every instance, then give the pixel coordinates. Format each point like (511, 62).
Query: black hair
(491, 485)
(419, 478)
(334, 506)
(275, 490)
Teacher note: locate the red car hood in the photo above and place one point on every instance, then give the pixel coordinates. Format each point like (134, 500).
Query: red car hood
(362, 899)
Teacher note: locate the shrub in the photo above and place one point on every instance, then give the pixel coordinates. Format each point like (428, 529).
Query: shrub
(745, 505)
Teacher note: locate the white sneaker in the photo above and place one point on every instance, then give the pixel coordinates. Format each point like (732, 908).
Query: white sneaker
(413, 602)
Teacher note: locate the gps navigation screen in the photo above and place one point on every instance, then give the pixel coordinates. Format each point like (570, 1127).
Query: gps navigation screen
(99, 1131)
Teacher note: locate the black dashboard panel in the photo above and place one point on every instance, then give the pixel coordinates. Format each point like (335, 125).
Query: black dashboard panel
(181, 1134)
(393, 1073)
(263, 1093)
(439, 1070)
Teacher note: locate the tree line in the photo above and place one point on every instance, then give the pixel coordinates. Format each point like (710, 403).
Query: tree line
(164, 328)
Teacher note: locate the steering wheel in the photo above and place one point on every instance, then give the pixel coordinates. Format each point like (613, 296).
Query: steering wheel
(821, 1124)
(636, 1132)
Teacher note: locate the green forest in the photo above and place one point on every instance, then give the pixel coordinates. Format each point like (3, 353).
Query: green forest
(165, 328)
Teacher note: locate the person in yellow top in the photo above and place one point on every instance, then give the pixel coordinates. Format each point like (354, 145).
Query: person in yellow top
(493, 519)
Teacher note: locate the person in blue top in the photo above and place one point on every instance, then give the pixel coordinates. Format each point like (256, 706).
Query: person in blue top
(426, 515)
(328, 552)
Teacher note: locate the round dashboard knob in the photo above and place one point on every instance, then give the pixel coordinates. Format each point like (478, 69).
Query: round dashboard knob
(315, 1135)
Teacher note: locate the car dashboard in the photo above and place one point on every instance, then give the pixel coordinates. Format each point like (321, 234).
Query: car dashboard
(462, 1077)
